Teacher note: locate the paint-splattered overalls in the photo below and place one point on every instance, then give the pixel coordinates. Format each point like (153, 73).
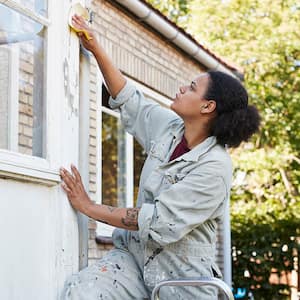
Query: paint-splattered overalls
(180, 203)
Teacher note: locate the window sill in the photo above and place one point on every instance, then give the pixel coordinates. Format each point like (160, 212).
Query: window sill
(104, 240)
(27, 168)
(104, 234)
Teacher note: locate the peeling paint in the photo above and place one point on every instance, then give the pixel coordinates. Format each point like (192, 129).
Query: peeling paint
(155, 253)
(103, 269)
(71, 86)
(135, 239)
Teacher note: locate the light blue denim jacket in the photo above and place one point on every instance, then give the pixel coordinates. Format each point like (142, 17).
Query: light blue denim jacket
(180, 200)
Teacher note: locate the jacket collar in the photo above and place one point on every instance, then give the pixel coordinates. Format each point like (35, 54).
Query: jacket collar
(195, 153)
(199, 150)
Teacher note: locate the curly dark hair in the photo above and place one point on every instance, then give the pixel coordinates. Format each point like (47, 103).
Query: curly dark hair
(236, 121)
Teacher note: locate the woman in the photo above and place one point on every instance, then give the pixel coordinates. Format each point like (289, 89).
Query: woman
(184, 184)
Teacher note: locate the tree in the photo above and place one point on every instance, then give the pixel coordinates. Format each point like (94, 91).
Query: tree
(263, 38)
(176, 10)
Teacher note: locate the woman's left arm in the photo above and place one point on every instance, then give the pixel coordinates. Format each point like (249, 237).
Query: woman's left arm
(126, 218)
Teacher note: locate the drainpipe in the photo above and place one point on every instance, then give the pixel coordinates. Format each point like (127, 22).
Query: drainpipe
(227, 245)
(174, 35)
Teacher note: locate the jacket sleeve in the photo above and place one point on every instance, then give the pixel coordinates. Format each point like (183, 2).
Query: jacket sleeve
(182, 207)
(141, 117)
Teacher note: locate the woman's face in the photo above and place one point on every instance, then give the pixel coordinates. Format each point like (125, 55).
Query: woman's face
(190, 102)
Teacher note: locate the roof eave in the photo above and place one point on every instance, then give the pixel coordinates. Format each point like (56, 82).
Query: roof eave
(177, 36)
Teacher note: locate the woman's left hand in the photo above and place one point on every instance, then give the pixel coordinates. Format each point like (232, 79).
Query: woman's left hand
(74, 189)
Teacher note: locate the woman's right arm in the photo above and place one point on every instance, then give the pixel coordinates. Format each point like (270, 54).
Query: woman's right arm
(143, 119)
(113, 77)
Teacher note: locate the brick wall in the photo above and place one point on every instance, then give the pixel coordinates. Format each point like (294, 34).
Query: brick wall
(94, 251)
(144, 56)
(141, 53)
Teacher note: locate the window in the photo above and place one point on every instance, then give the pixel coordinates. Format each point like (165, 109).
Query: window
(139, 159)
(114, 158)
(22, 61)
(113, 161)
(38, 6)
(26, 48)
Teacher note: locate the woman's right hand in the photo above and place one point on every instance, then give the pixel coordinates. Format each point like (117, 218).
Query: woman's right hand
(112, 75)
(79, 23)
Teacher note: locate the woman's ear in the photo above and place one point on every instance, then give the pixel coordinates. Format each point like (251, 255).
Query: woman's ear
(209, 107)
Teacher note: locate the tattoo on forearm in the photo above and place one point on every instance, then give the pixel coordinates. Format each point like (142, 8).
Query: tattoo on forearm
(111, 208)
(131, 218)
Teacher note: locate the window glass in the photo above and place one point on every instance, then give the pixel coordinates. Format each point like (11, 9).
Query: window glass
(114, 159)
(22, 68)
(38, 6)
(113, 162)
(4, 79)
(139, 159)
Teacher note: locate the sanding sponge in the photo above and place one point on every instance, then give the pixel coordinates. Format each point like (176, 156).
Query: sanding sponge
(79, 10)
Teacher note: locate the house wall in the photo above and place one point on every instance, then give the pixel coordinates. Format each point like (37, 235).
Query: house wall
(39, 229)
(38, 225)
(144, 56)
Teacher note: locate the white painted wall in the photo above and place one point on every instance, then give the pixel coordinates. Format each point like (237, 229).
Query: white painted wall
(36, 245)
(39, 246)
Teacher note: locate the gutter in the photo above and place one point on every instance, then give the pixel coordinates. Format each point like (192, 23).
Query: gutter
(176, 35)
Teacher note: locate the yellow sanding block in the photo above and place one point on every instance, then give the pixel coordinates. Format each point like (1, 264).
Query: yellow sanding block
(78, 9)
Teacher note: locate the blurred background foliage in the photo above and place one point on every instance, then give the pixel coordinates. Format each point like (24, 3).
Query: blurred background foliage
(263, 39)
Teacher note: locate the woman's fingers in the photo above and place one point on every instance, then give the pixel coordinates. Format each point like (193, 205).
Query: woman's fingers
(79, 22)
(76, 173)
(68, 179)
(79, 19)
(76, 24)
(81, 27)
(65, 188)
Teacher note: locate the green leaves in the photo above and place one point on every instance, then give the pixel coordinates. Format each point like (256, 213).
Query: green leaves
(176, 10)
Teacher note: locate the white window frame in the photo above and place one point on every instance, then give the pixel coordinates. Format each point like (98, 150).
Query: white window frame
(12, 109)
(104, 229)
(13, 93)
(129, 159)
(19, 166)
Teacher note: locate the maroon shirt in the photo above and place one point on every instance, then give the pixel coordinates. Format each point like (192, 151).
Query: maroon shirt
(180, 149)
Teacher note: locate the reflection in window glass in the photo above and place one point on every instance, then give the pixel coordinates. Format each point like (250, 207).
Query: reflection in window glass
(113, 162)
(38, 6)
(139, 159)
(22, 53)
(4, 96)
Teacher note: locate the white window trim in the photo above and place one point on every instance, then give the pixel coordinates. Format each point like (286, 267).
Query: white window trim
(13, 92)
(129, 170)
(15, 5)
(19, 166)
(104, 229)
(14, 165)
(99, 79)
